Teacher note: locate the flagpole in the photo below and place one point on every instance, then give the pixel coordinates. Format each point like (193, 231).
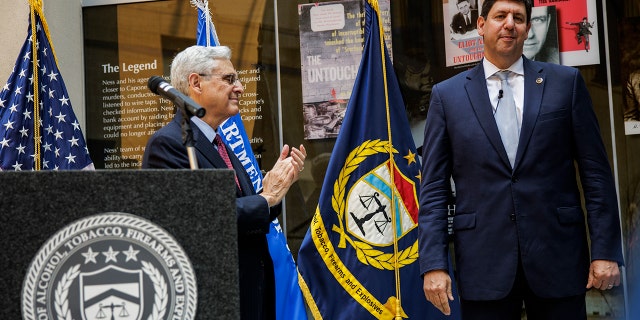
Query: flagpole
(35, 5)
(376, 8)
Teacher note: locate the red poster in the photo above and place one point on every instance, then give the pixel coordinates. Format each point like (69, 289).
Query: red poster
(577, 30)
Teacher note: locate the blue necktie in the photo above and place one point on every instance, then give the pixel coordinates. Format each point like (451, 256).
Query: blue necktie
(506, 117)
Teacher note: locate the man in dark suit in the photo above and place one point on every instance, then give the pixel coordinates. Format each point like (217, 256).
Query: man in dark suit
(207, 76)
(466, 18)
(519, 230)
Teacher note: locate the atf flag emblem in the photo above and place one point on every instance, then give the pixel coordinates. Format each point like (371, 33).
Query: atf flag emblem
(371, 213)
(110, 266)
(369, 206)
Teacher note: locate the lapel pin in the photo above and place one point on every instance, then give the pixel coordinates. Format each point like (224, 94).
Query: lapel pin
(539, 80)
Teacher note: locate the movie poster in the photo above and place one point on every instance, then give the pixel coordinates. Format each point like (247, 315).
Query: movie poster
(630, 72)
(577, 31)
(463, 44)
(542, 41)
(331, 41)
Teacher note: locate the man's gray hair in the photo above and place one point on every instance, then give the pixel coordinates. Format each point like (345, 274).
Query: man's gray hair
(195, 59)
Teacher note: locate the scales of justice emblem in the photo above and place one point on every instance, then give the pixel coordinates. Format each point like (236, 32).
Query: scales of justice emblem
(377, 210)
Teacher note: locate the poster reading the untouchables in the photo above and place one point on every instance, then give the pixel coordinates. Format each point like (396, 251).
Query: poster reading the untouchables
(331, 41)
(577, 30)
(463, 44)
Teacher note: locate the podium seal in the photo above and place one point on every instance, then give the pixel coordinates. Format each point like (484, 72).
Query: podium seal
(110, 266)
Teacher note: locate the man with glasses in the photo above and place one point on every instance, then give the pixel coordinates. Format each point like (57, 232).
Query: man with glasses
(208, 77)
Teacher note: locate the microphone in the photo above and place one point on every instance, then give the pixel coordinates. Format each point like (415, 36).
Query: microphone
(158, 86)
(500, 94)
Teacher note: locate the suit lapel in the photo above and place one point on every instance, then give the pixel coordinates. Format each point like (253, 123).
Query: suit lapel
(213, 158)
(476, 88)
(534, 82)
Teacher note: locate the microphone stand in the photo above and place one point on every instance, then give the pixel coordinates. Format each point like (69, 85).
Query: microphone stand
(187, 135)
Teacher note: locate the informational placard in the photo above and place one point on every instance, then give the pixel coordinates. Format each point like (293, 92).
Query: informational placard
(331, 40)
(126, 44)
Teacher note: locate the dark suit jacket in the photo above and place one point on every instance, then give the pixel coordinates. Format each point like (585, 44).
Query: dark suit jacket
(165, 150)
(534, 210)
(459, 25)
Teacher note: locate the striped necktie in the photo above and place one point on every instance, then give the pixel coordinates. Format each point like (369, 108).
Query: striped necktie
(222, 150)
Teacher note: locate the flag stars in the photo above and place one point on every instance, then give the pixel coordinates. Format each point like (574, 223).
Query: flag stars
(51, 93)
(46, 147)
(57, 153)
(70, 158)
(45, 164)
(27, 56)
(44, 70)
(411, 157)
(27, 114)
(6, 86)
(64, 100)
(58, 134)
(53, 76)
(17, 166)
(29, 97)
(18, 91)
(24, 132)
(23, 73)
(14, 108)
(4, 143)
(2, 103)
(49, 129)
(8, 124)
(76, 125)
(61, 117)
(74, 141)
(44, 51)
(20, 148)
(110, 255)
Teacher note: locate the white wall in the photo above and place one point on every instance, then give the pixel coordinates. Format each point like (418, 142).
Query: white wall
(64, 18)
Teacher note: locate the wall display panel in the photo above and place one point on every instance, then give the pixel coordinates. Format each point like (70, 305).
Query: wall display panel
(126, 44)
(331, 40)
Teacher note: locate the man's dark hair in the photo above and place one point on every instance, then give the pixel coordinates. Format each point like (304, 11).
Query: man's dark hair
(458, 2)
(488, 4)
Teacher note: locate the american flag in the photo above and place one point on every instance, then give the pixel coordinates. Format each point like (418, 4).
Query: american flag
(61, 143)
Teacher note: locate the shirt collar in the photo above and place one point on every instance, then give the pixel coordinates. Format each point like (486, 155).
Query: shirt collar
(490, 69)
(206, 129)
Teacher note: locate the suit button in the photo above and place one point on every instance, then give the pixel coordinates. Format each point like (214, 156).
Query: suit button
(514, 179)
(513, 217)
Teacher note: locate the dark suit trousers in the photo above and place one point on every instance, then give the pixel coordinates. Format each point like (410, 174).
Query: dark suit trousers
(537, 308)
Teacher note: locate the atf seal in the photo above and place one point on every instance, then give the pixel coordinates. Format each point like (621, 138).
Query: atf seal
(110, 266)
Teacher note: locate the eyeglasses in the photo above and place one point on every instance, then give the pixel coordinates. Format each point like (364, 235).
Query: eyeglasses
(230, 78)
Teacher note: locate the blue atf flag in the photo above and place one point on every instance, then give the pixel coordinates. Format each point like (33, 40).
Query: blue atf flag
(289, 302)
(55, 142)
(359, 259)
